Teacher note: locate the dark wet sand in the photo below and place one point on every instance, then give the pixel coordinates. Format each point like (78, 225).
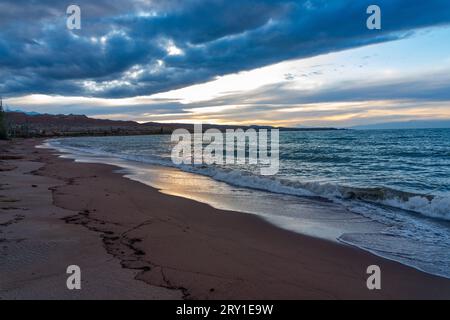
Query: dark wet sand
(133, 242)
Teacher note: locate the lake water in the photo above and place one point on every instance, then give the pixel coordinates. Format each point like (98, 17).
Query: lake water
(385, 191)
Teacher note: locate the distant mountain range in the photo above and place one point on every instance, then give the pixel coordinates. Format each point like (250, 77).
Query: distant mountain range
(413, 124)
(32, 124)
(30, 113)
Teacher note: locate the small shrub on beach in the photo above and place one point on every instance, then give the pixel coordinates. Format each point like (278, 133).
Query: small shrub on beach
(3, 131)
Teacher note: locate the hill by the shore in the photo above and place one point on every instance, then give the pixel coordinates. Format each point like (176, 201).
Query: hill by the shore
(21, 124)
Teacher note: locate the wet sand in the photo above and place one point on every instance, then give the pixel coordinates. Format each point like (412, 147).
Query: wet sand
(133, 242)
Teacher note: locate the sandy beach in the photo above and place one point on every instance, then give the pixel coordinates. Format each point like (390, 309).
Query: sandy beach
(133, 242)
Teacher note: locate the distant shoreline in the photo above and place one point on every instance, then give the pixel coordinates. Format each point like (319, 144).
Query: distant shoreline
(22, 125)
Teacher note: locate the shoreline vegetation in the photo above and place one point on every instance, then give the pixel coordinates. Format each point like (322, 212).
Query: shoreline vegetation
(3, 128)
(144, 244)
(22, 125)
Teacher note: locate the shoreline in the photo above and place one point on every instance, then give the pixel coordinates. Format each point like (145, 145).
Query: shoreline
(189, 249)
(162, 177)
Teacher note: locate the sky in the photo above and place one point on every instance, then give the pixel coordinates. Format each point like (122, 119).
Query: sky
(284, 63)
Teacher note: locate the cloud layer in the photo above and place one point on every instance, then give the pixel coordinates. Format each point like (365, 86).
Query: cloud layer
(134, 48)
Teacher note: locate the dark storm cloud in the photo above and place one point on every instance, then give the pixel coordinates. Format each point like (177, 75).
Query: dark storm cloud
(39, 55)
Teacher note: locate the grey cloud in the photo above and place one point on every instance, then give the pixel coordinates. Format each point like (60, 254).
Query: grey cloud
(39, 55)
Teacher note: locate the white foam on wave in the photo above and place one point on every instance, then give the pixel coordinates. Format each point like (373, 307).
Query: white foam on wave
(249, 180)
(437, 207)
